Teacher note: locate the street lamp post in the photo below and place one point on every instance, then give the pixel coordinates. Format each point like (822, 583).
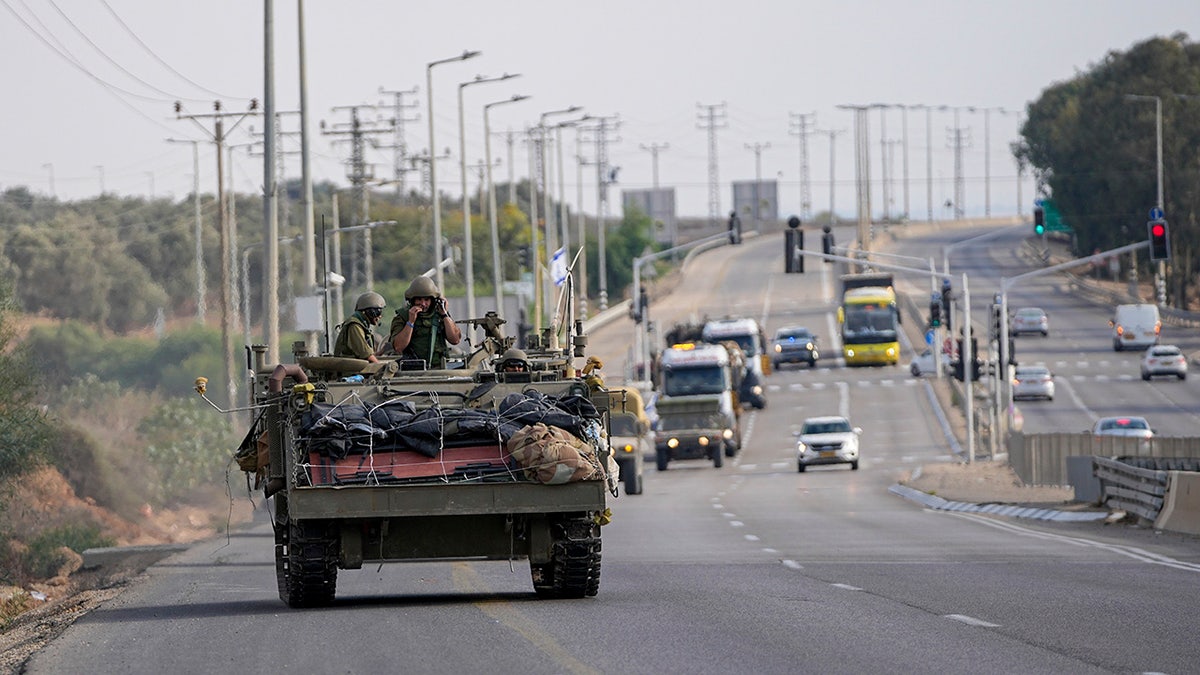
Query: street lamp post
(551, 231)
(437, 204)
(563, 229)
(551, 242)
(1158, 137)
(497, 271)
(1162, 268)
(468, 245)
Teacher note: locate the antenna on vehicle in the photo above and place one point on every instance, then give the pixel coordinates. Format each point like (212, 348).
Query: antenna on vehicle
(325, 275)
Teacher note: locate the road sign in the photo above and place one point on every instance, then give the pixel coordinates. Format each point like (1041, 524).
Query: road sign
(929, 337)
(1156, 213)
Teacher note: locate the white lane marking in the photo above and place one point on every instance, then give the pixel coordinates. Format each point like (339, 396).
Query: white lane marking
(844, 399)
(971, 621)
(751, 537)
(769, 550)
(847, 587)
(736, 523)
(1138, 554)
(729, 515)
(792, 564)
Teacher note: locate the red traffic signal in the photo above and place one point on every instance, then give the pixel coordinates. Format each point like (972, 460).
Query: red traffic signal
(1160, 241)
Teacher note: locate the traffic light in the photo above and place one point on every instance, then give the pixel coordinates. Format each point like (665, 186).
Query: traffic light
(523, 256)
(996, 320)
(946, 290)
(935, 312)
(1039, 221)
(827, 242)
(1160, 242)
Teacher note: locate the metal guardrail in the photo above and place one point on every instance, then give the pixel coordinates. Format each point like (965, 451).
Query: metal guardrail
(1130, 488)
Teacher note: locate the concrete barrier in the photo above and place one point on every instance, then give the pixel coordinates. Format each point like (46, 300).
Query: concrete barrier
(1181, 503)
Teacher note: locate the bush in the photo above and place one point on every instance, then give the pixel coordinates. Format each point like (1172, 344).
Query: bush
(189, 443)
(44, 556)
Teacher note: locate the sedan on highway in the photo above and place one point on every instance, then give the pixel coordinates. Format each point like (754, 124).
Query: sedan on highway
(1129, 427)
(827, 440)
(923, 364)
(1164, 360)
(1030, 320)
(1033, 382)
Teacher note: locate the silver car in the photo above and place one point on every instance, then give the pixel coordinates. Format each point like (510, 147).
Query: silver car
(1030, 320)
(827, 440)
(1164, 360)
(1132, 427)
(1033, 382)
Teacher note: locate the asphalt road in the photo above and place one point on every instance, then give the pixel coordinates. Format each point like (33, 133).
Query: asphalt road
(749, 568)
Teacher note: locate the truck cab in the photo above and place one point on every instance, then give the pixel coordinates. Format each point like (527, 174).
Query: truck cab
(751, 339)
(698, 410)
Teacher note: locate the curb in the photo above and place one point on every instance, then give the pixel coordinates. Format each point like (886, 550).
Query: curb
(1013, 511)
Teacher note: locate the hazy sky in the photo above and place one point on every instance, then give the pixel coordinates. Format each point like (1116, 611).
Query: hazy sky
(90, 85)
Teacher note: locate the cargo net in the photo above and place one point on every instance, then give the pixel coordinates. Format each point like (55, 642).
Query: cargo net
(525, 437)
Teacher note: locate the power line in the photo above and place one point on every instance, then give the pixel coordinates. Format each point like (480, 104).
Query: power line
(156, 57)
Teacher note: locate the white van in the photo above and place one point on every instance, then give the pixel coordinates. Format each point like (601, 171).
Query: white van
(1135, 326)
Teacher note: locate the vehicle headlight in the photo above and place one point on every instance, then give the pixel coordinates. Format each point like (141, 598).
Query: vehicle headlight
(627, 447)
(727, 434)
(890, 351)
(704, 440)
(757, 389)
(800, 446)
(850, 352)
(778, 348)
(809, 346)
(673, 443)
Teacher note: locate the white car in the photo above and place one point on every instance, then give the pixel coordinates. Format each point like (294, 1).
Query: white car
(923, 364)
(1164, 360)
(1130, 427)
(827, 440)
(1029, 320)
(1033, 382)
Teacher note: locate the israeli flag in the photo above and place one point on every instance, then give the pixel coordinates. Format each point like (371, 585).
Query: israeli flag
(558, 267)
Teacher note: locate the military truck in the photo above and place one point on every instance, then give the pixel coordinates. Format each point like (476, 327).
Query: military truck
(367, 463)
(631, 437)
(698, 409)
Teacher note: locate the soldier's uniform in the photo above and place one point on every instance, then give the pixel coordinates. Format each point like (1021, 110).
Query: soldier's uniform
(355, 339)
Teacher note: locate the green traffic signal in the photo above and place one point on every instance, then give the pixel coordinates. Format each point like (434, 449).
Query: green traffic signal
(1039, 229)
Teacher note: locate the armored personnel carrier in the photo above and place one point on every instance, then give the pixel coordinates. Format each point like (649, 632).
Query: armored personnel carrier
(367, 463)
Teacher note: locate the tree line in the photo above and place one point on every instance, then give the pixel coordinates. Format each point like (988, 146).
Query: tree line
(1091, 142)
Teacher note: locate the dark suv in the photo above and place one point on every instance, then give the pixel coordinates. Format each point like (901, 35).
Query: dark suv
(794, 344)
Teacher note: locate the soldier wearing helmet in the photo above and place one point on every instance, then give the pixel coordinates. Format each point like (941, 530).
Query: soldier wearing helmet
(357, 337)
(423, 329)
(514, 360)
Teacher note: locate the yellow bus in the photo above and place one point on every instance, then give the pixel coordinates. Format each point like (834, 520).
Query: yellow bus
(870, 326)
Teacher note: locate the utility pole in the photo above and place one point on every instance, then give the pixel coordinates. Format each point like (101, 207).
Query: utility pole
(605, 176)
(802, 124)
(360, 174)
(654, 149)
(833, 134)
(218, 135)
(958, 138)
(582, 224)
(712, 117)
(399, 146)
(757, 148)
(862, 171)
(201, 276)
